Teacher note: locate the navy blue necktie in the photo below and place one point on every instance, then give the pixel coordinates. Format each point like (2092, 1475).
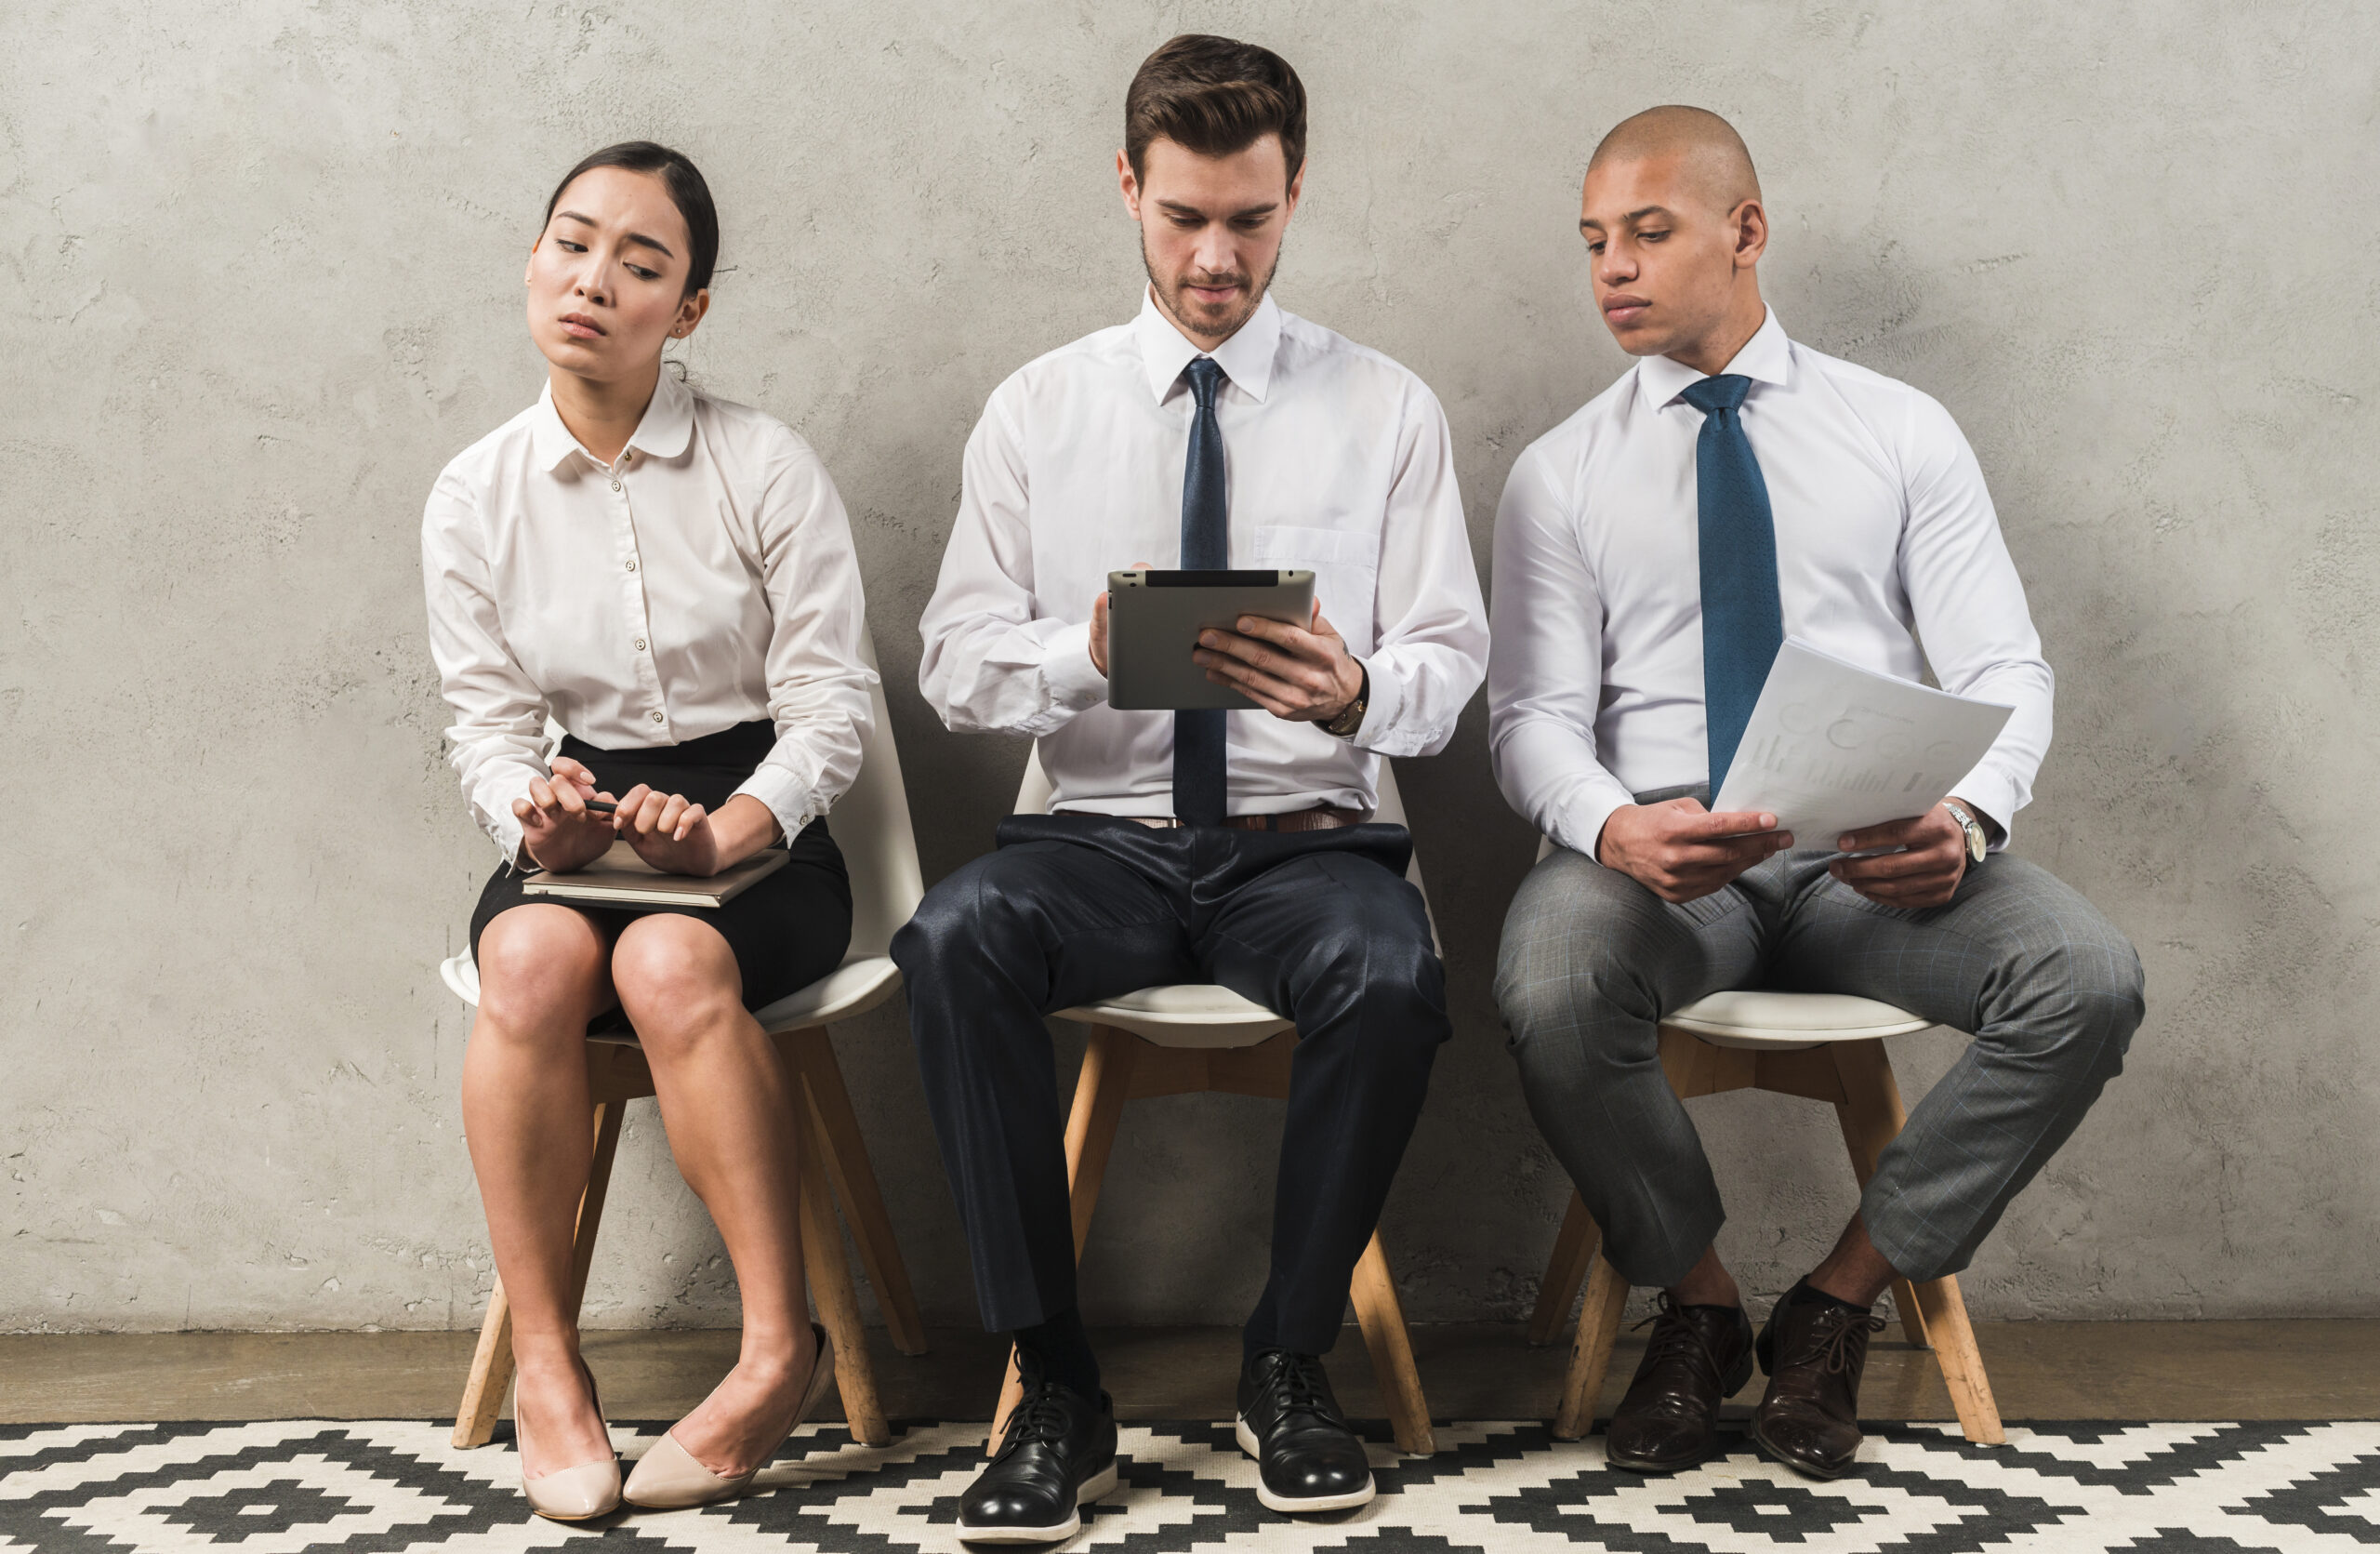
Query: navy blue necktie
(1742, 623)
(1199, 786)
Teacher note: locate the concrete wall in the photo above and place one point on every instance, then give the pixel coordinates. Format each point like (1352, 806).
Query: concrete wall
(259, 278)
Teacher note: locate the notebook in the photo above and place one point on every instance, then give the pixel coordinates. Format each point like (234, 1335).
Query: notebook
(620, 878)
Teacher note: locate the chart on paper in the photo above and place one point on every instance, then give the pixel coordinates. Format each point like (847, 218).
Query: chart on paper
(1833, 748)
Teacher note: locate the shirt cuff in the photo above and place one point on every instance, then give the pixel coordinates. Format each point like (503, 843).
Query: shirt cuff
(1074, 681)
(1384, 706)
(1580, 826)
(1995, 796)
(506, 832)
(788, 799)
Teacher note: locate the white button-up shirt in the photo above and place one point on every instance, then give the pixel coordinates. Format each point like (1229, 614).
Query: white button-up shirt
(1885, 537)
(704, 580)
(1337, 460)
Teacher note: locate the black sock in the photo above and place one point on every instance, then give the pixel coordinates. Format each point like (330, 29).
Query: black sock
(1807, 1294)
(1063, 1348)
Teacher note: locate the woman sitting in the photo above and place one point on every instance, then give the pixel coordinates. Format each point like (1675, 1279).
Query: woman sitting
(670, 578)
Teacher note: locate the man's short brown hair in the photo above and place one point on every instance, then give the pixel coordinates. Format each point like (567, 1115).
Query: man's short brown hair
(1214, 96)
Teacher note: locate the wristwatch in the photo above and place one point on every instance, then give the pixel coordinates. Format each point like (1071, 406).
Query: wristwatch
(1346, 723)
(1979, 843)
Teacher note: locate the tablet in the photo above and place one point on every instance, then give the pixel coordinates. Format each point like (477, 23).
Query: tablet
(1154, 619)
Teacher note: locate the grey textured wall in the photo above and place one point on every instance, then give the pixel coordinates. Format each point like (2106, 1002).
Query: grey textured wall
(259, 278)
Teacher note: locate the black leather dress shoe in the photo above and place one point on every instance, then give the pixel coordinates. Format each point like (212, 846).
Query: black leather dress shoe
(1697, 1358)
(1813, 1352)
(1307, 1458)
(1059, 1453)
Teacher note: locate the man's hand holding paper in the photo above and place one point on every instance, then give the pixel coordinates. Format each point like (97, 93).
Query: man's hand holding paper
(1917, 862)
(1864, 761)
(1682, 852)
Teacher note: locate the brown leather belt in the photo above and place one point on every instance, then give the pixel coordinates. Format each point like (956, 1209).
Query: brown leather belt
(1321, 818)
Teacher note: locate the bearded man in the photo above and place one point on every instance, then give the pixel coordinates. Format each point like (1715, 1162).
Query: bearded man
(1213, 431)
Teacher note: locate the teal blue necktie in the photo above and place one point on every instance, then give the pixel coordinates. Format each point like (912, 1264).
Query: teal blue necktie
(1743, 625)
(1198, 782)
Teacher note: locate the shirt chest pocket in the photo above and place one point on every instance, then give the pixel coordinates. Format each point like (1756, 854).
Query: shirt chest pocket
(1345, 564)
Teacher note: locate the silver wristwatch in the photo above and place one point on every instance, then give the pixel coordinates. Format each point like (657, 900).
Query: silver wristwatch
(1979, 841)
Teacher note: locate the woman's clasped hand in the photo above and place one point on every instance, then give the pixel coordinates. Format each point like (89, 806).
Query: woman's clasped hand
(558, 832)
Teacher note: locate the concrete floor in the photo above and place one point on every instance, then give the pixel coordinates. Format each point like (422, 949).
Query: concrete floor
(2210, 1370)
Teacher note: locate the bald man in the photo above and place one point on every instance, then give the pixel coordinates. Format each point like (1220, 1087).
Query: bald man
(1651, 553)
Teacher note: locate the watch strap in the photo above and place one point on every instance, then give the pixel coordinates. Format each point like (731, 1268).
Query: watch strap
(1979, 841)
(1350, 720)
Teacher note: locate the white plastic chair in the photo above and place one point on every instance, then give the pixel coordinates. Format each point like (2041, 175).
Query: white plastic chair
(1823, 1047)
(1188, 1039)
(871, 825)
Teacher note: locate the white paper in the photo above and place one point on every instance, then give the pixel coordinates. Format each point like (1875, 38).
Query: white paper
(1835, 748)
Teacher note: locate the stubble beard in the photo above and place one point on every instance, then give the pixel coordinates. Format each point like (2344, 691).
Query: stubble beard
(1169, 298)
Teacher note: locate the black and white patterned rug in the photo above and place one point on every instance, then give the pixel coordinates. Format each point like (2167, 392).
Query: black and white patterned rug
(284, 1486)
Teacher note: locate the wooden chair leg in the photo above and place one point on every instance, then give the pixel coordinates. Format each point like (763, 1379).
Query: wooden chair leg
(491, 1374)
(854, 1179)
(831, 1287)
(1591, 1356)
(1100, 1093)
(1872, 1115)
(1574, 1251)
(1382, 1318)
(1962, 1362)
(1912, 1315)
(1101, 1090)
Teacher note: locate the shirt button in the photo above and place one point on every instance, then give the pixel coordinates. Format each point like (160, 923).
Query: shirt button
(656, 717)
(640, 644)
(616, 485)
(631, 564)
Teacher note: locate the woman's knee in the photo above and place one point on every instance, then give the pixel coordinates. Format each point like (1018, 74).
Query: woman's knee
(677, 978)
(539, 967)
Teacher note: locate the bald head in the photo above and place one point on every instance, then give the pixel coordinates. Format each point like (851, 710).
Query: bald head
(1670, 211)
(1708, 152)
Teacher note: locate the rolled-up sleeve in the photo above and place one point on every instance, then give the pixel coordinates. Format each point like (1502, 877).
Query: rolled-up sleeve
(1545, 677)
(1430, 624)
(498, 738)
(990, 662)
(1969, 609)
(817, 673)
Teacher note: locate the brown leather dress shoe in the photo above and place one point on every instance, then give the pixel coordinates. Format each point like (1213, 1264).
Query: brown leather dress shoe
(1696, 1358)
(1813, 1352)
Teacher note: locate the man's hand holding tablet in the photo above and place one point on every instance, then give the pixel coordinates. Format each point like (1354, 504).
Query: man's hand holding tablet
(1298, 674)
(1304, 674)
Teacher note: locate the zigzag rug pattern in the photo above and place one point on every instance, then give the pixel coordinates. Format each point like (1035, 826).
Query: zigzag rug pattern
(375, 1486)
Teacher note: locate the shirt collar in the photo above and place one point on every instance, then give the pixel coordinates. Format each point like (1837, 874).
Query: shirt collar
(1246, 358)
(1765, 358)
(667, 428)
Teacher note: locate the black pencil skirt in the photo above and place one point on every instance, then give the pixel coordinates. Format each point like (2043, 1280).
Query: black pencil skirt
(787, 930)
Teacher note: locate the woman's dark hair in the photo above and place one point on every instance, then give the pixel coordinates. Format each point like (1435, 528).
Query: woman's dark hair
(687, 191)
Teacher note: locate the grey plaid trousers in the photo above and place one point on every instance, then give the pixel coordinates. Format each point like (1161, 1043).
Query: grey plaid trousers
(2048, 987)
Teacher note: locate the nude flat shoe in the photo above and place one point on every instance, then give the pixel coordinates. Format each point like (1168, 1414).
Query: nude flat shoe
(579, 1494)
(669, 1479)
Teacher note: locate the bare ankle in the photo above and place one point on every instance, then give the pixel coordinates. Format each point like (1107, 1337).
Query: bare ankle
(541, 1357)
(775, 1358)
(1708, 1283)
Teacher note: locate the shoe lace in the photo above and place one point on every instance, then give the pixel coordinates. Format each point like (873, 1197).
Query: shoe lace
(1040, 1419)
(1677, 1338)
(1838, 1336)
(1298, 1386)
